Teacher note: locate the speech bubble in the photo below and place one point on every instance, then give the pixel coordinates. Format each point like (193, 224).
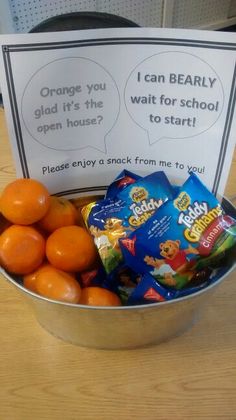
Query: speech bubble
(70, 104)
(174, 95)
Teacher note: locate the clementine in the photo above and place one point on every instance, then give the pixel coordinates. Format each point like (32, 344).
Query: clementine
(24, 201)
(22, 249)
(71, 248)
(4, 223)
(61, 212)
(57, 284)
(97, 296)
(29, 280)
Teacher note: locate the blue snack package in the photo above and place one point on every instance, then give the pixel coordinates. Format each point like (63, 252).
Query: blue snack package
(110, 220)
(150, 291)
(185, 235)
(175, 190)
(94, 277)
(145, 196)
(126, 282)
(124, 179)
(105, 221)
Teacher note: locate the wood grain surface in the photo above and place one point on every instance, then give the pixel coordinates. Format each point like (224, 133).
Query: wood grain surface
(43, 378)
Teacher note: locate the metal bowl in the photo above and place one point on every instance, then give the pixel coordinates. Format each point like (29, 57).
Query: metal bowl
(127, 326)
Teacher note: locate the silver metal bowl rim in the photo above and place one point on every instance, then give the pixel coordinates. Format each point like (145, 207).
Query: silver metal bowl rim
(123, 307)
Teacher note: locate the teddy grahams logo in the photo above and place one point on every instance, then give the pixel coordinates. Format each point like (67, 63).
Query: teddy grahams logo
(138, 194)
(182, 201)
(142, 206)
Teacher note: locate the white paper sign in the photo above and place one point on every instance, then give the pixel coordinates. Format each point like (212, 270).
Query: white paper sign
(83, 105)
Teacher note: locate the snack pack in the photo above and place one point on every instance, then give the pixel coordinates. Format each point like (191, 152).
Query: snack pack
(186, 234)
(124, 179)
(110, 220)
(93, 277)
(150, 290)
(125, 282)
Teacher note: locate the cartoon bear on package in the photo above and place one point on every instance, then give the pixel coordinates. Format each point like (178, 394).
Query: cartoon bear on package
(174, 265)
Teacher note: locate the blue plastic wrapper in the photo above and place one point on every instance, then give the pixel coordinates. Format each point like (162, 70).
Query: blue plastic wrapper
(123, 180)
(126, 280)
(150, 290)
(93, 277)
(110, 220)
(185, 235)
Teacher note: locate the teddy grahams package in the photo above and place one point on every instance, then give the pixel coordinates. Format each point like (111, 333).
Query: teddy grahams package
(112, 219)
(123, 180)
(148, 290)
(185, 235)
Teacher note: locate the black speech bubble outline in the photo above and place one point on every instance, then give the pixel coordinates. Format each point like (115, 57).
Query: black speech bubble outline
(168, 137)
(77, 148)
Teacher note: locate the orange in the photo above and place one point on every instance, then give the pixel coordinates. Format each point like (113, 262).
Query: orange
(4, 223)
(71, 248)
(97, 296)
(24, 201)
(22, 249)
(61, 212)
(56, 284)
(29, 280)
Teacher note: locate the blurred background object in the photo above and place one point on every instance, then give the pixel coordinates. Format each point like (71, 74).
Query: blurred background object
(82, 20)
(21, 16)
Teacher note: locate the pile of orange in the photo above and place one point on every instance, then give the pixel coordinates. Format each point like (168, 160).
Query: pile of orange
(43, 240)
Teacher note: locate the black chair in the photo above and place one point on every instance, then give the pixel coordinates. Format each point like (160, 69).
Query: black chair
(82, 20)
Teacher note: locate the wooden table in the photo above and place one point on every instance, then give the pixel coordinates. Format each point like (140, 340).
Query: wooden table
(190, 377)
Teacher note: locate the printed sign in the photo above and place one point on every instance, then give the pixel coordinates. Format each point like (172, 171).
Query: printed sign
(83, 105)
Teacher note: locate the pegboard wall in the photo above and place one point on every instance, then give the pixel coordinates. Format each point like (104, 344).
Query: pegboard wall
(195, 13)
(232, 9)
(21, 16)
(144, 13)
(27, 14)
